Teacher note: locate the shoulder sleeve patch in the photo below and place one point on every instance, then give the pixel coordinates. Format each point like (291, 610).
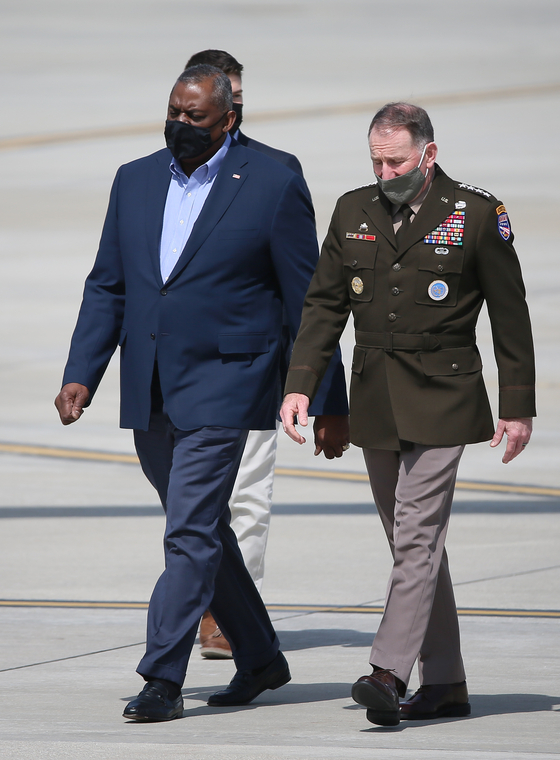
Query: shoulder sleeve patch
(504, 227)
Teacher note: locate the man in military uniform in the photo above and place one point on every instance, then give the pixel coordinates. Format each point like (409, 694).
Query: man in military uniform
(413, 257)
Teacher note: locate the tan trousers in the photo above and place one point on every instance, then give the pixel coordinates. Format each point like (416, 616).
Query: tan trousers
(413, 491)
(251, 499)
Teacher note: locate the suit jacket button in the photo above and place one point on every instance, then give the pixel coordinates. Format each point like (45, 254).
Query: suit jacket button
(397, 267)
(395, 291)
(355, 262)
(455, 366)
(440, 268)
(163, 292)
(153, 336)
(392, 317)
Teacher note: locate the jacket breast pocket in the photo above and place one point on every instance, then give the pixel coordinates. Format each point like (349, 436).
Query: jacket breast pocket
(438, 278)
(358, 258)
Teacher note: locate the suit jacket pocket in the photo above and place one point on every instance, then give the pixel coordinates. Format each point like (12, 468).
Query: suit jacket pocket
(451, 361)
(358, 258)
(243, 343)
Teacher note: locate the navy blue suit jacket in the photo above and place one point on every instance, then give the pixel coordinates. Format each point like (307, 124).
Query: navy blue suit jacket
(215, 326)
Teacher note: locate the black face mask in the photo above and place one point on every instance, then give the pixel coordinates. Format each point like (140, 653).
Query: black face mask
(238, 108)
(187, 141)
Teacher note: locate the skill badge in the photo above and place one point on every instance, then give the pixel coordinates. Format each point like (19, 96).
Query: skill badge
(441, 251)
(503, 224)
(438, 290)
(357, 285)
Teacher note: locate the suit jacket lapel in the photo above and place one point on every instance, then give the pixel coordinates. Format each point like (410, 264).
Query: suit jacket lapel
(156, 196)
(231, 176)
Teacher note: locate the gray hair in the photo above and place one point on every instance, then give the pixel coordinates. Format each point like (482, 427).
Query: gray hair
(405, 116)
(222, 96)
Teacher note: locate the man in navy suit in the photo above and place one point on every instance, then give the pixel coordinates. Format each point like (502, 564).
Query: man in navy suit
(204, 245)
(250, 503)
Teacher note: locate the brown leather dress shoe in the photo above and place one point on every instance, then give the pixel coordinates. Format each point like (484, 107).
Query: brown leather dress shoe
(447, 700)
(379, 692)
(213, 643)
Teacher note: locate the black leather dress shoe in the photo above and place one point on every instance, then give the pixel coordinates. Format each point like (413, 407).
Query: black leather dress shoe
(380, 694)
(448, 700)
(153, 704)
(248, 684)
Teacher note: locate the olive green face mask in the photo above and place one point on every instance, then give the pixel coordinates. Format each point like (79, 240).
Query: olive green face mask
(405, 188)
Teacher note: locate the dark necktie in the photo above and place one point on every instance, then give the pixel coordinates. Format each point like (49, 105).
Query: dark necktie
(406, 212)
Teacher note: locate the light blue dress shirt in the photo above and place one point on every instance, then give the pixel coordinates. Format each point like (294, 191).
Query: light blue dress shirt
(185, 198)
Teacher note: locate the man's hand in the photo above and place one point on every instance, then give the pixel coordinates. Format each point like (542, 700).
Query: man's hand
(294, 409)
(70, 402)
(518, 431)
(332, 434)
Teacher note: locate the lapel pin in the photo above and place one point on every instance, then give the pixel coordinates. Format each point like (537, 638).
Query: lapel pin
(236, 176)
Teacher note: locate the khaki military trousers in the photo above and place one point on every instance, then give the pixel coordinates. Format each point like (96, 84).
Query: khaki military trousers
(413, 491)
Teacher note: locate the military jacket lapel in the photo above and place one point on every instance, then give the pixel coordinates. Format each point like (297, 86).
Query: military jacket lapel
(379, 211)
(437, 206)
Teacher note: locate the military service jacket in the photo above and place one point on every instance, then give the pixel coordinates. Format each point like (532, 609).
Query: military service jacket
(416, 370)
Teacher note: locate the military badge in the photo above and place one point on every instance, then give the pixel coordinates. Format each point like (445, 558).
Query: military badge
(438, 290)
(461, 204)
(449, 232)
(363, 227)
(441, 251)
(504, 227)
(357, 285)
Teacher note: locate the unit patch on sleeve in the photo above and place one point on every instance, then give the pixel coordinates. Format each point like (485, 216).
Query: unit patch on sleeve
(449, 232)
(504, 227)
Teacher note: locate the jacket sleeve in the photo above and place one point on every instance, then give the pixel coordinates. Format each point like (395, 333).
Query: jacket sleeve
(500, 275)
(97, 330)
(325, 313)
(294, 252)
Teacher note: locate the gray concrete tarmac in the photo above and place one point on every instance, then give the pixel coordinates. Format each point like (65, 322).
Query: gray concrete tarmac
(80, 540)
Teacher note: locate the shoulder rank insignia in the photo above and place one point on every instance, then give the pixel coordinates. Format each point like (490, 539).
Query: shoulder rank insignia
(358, 236)
(473, 189)
(504, 227)
(449, 232)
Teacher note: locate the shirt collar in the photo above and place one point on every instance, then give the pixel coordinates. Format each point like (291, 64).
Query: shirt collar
(204, 173)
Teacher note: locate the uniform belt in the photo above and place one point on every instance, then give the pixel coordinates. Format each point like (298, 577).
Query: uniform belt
(410, 342)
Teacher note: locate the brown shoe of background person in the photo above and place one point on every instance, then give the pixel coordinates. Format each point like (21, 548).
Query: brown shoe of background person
(213, 644)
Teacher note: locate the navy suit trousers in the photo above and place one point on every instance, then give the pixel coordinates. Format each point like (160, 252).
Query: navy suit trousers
(194, 472)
